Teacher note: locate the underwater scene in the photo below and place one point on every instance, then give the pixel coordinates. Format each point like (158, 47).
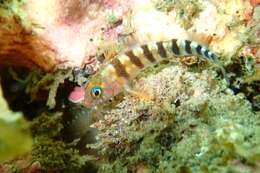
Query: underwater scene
(129, 86)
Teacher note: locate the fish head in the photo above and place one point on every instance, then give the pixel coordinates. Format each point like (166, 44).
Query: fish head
(98, 91)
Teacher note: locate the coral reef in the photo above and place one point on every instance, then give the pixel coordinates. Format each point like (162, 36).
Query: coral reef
(185, 10)
(182, 117)
(19, 45)
(56, 34)
(191, 124)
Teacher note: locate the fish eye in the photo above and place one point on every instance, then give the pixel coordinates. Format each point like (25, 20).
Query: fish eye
(96, 91)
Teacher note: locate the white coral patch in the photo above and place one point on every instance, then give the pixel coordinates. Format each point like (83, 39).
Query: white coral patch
(153, 25)
(212, 25)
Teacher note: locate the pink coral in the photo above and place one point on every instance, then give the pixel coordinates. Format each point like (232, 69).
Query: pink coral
(75, 28)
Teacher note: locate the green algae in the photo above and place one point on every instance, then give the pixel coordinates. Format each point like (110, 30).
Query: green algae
(111, 17)
(49, 148)
(38, 81)
(58, 79)
(15, 138)
(13, 9)
(34, 82)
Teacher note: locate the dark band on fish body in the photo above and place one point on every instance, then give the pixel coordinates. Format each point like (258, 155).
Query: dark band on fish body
(134, 59)
(206, 53)
(161, 50)
(175, 47)
(198, 49)
(119, 67)
(187, 46)
(147, 53)
(213, 56)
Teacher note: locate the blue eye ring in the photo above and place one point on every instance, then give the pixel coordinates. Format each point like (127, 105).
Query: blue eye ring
(96, 91)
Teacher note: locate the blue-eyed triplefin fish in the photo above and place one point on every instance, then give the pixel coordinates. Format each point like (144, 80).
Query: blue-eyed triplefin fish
(112, 78)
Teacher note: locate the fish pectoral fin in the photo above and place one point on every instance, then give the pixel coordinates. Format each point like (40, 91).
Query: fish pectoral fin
(129, 89)
(137, 94)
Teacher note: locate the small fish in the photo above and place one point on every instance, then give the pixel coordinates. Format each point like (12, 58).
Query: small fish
(115, 75)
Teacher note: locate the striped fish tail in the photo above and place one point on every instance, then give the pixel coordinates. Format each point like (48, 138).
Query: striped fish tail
(216, 60)
(189, 48)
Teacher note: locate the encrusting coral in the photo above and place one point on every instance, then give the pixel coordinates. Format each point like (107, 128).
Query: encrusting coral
(192, 123)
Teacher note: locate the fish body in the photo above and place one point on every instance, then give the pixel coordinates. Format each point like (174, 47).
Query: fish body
(113, 77)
